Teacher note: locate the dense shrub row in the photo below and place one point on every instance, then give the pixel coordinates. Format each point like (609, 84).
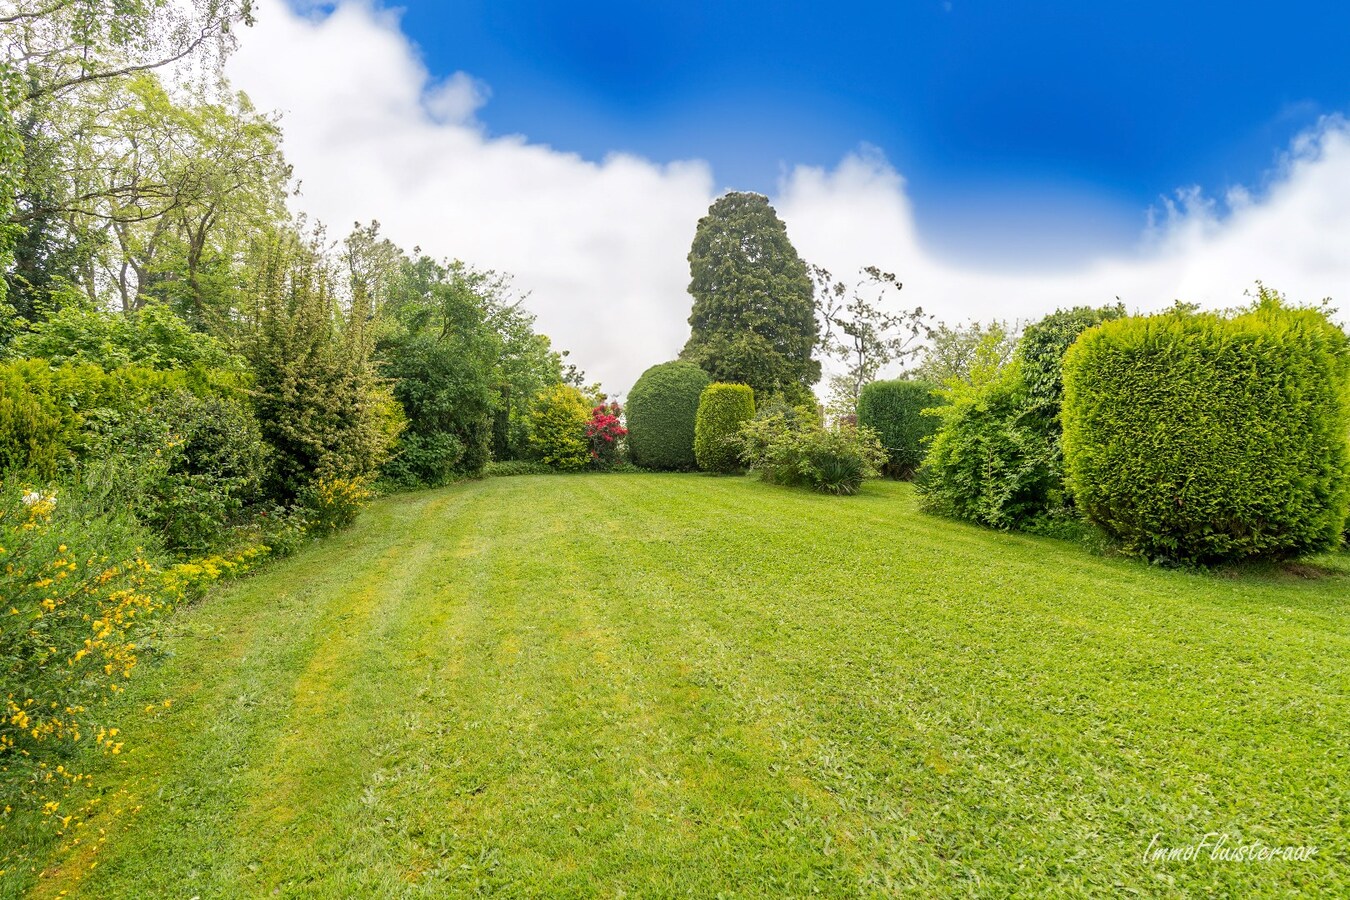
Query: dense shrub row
(662, 411)
(996, 459)
(1200, 437)
(895, 410)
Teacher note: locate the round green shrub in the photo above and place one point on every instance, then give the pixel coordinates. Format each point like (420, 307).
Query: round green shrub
(894, 410)
(1203, 438)
(558, 427)
(662, 408)
(722, 408)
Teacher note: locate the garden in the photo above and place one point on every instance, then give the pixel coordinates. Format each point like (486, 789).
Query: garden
(323, 572)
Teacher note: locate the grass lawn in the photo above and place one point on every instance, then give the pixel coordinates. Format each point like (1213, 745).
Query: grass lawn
(685, 686)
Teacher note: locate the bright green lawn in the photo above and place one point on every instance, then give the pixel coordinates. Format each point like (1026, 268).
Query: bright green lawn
(688, 686)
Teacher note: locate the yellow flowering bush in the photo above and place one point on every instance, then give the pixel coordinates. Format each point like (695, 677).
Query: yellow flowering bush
(77, 597)
(73, 593)
(332, 502)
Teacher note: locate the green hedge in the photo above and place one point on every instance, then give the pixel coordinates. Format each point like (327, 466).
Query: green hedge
(989, 463)
(894, 410)
(1042, 347)
(1201, 438)
(661, 411)
(45, 408)
(722, 409)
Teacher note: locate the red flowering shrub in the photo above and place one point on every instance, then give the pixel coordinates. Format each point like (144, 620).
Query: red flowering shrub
(605, 433)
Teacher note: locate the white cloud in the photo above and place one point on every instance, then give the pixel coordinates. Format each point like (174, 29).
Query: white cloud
(456, 99)
(602, 246)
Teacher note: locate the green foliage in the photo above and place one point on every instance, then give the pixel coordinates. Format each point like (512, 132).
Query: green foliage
(46, 410)
(1199, 437)
(558, 427)
(753, 320)
(894, 410)
(187, 466)
(321, 406)
(965, 353)
(996, 459)
(439, 360)
(722, 409)
(1042, 350)
(153, 337)
(831, 460)
(11, 183)
(989, 463)
(661, 414)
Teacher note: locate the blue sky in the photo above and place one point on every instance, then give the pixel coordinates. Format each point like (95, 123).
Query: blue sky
(1068, 116)
(1021, 146)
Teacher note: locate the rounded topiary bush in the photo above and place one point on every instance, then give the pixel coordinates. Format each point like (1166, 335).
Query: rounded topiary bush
(661, 411)
(894, 410)
(722, 409)
(558, 427)
(1202, 438)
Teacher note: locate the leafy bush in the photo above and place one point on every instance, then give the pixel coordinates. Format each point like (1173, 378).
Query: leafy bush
(835, 461)
(894, 410)
(988, 463)
(722, 409)
(153, 337)
(662, 409)
(442, 383)
(77, 589)
(281, 529)
(605, 433)
(46, 410)
(423, 460)
(558, 427)
(188, 466)
(996, 457)
(320, 404)
(332, 503)
(1199, 437)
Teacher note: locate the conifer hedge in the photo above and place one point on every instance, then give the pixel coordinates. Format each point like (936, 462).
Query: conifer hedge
(895, 411)
(1200, 438)
(722, 409)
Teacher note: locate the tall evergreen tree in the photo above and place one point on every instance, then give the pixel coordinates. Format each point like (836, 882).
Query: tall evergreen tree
(753, 320)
